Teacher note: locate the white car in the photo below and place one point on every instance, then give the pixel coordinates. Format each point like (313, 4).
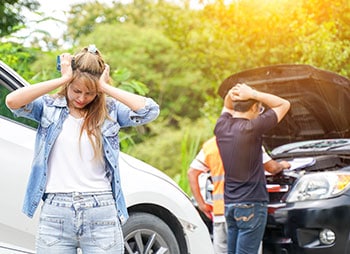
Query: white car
(162, 217)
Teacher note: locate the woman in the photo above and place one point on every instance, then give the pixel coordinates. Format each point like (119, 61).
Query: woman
(75, 167)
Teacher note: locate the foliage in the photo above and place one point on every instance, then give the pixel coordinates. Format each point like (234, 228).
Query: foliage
(189, 149)
(179, 57)
(122, 76)
(11, 15)
(252, 33)
(121, 79)
(172, 149)
(223, 39)
(154, 59)
(18, 57)
(192, 51)
(83, 18)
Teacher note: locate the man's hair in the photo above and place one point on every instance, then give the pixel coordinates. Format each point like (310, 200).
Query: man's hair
(243, 106)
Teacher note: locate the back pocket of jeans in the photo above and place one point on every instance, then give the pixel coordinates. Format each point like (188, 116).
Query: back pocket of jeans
(244, 216)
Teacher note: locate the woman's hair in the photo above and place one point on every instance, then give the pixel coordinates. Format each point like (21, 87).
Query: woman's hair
(89, 60)
(87, 69)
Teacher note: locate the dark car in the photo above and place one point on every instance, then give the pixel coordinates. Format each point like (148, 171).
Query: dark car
(309, 209)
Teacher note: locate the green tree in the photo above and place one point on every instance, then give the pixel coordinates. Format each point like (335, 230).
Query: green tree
(18, 58)
(182, 55)
(11, 13)
(153, 59)
(224, 39)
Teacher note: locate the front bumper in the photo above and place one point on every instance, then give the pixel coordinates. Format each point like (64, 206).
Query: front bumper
(296, 227)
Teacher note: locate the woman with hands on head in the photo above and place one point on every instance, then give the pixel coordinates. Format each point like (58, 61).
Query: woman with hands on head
(75, 169)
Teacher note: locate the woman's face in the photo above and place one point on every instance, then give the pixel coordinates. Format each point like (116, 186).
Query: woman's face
(79, 95)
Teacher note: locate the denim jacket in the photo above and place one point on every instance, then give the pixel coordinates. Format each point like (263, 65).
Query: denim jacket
(50, 113)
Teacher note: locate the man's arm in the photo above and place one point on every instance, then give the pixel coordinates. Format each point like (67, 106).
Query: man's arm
(277, 104)
(228, 103)
(192, 175)
(274, 167)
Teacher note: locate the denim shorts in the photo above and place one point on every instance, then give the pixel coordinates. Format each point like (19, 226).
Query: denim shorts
(85, 221)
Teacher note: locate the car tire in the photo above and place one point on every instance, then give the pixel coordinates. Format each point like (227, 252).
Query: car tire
(145, 233)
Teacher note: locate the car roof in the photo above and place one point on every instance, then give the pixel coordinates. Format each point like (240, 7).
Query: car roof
(319, 101)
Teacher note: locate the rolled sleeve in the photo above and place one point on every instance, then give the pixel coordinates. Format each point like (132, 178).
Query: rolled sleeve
(146, 114)
(199, 162)
(31, 110)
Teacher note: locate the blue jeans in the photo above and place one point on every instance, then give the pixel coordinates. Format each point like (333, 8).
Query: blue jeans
(245, 226)
(86, 221)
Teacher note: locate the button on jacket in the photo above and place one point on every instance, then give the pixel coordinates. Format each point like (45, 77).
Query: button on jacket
(50, 113)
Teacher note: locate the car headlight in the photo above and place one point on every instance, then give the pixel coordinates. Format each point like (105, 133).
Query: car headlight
(319, 186)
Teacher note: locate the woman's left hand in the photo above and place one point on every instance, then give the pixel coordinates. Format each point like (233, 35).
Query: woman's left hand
(104, 79)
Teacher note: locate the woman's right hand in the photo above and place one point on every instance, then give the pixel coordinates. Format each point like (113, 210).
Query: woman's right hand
(66, 66)
(27, 94)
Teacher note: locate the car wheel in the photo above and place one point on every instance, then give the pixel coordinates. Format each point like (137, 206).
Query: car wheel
(145, 233)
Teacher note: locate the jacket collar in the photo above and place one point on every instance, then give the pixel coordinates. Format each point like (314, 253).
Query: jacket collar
(60, 101)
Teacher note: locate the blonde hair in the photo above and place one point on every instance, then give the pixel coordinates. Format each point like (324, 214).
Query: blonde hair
(87, 69)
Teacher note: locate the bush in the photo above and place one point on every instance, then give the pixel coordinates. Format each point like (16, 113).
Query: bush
(172, 150)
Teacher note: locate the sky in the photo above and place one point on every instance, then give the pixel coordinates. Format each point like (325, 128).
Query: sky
(50, 6)
(55, 9)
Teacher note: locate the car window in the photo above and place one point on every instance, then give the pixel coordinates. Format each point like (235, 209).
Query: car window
(5, 112)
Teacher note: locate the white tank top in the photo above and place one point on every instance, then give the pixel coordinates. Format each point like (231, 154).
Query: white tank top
(71, 167)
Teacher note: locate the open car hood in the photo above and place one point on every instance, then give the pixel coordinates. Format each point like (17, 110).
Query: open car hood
(320, 101)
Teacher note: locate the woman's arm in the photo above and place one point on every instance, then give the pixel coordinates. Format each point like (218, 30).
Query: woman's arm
(133, 101)
(25, 95)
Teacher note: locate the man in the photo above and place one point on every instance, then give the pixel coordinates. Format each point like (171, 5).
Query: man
(239, 138)
(208, 160)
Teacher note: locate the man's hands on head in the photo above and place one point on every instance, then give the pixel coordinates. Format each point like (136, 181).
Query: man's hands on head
(242, 92)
